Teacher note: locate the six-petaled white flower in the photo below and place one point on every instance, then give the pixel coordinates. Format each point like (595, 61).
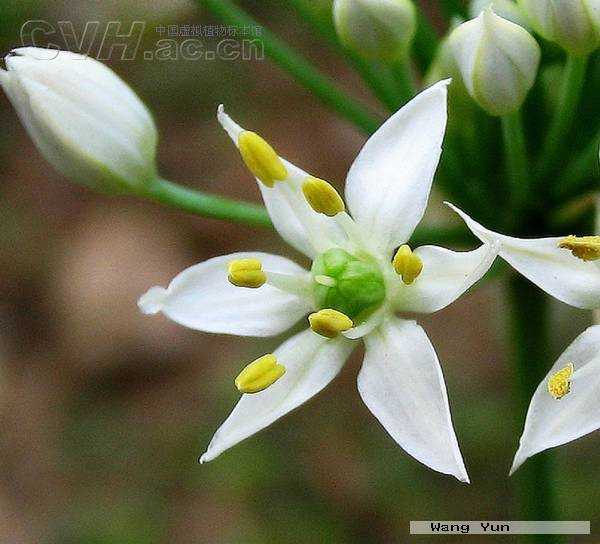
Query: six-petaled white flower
(363, 274)
(566, 404)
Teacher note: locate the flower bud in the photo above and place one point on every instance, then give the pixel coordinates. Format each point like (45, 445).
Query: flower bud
(83, 118)
(498, 61)
(572, 24)
(375, 29)
(507, 9)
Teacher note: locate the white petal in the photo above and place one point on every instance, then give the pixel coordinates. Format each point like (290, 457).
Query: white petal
(402, 384)
(296, 222)
(202, 298)
(552, 269)
(389, 183)
(552, 422)
(446, 276)
(311, 362)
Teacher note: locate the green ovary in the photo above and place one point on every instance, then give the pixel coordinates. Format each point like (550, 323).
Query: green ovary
(357, 287)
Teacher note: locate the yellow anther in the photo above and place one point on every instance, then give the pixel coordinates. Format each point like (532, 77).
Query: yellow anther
(329, 323)
(586, 248)
(559, 383)
(322, 196)
(259, 374)
(246, 273)
(407, 264)
(261, 159)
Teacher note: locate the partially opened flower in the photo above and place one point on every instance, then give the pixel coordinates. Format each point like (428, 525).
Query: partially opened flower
(363, 273)
(565, 405)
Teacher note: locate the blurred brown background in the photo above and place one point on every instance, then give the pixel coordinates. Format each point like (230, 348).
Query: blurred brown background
(103, 412)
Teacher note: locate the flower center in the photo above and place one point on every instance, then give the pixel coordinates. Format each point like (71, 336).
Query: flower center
(347, 284)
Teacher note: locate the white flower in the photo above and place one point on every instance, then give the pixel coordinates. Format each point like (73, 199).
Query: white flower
(565, 405)
(83, 118)
(498, 61)
(573, 24)
(354, 288)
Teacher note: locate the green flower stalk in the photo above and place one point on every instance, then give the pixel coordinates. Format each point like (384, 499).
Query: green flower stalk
(92, 127)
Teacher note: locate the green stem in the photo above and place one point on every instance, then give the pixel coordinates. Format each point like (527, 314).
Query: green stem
(574, 215)
(529, 314)
(460, 188)
(453, 8)
(379, 78)
(426, 42)
(452, 236)
(583, 168)
(516, 158)
(301, 69)
(217, 207)
(324, 26)
(570, 93)
(404, 77)
(207, 205)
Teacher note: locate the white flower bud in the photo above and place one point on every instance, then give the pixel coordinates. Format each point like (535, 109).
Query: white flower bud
(376, 29)
(83, 118)
(572, 24)
(507, 9)
(498, 61)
